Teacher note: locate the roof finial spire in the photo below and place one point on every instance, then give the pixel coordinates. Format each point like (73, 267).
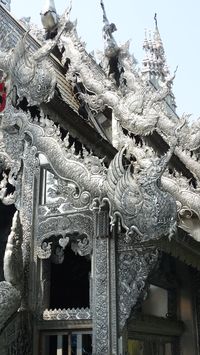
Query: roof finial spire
(49, 18)
(156, 20)
(111, 47)
(105, 19)
(154, 63)
(109, 28)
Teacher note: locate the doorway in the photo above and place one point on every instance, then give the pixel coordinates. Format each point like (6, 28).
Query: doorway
(70, 281)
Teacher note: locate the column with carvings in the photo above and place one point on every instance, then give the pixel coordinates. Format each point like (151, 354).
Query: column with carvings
(103, 278)
(30, 166)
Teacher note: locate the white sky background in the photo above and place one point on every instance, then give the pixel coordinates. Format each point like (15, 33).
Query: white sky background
(178, 22)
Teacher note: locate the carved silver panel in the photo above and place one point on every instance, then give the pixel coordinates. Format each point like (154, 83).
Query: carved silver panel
(133, 268)
(67, 314)
(74, 229)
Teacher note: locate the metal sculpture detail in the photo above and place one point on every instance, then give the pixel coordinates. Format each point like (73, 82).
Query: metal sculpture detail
(29, 74)
(24, 68)
(10, 289)
(136, 195)
(133, 269)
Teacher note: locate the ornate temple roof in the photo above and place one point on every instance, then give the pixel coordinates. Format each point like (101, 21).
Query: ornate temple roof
(110, 105)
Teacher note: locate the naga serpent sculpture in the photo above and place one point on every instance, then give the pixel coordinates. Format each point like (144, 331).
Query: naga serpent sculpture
(10, 289)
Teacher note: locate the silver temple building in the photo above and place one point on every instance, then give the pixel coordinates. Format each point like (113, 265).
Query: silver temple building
(99, 197)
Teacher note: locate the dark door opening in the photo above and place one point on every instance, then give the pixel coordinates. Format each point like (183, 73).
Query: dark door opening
(70, 282)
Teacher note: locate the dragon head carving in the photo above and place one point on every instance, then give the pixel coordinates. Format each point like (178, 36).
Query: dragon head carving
(136, 195)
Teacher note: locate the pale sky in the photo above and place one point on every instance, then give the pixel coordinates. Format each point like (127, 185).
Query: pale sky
(178, 22)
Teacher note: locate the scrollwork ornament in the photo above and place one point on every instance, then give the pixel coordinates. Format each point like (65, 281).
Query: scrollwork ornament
(82, 246)
(66, 194)
(44, 252)
(74, 228)
(133, 270)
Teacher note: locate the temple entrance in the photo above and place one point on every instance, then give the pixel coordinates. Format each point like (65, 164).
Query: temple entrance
(69, 289)
(70, 284)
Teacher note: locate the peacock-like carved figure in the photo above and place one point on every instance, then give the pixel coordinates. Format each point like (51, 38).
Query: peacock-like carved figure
(136, 195)
(10, 289)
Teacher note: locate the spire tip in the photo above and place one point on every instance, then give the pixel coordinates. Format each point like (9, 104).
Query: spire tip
(155, 19)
